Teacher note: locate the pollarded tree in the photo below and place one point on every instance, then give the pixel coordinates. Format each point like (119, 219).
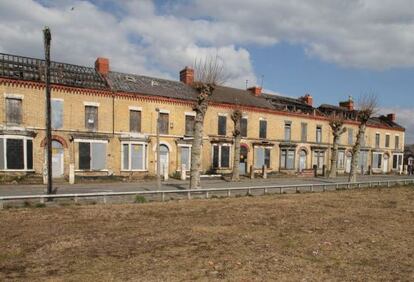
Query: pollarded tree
(236, 117)
(367, 106)
(337, 126)
(209, 73)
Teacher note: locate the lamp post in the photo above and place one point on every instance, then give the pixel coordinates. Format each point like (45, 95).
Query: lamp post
(158, 150)
(47, 37)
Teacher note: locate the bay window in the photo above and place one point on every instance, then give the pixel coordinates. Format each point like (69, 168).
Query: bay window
(319, 158)
(262, 157)
(376, 160)
(185, 157)
(221, 155)
(92, 154)
(287, 158)
(16, 153)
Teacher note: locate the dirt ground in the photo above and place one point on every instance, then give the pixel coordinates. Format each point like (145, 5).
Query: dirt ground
(336, 236)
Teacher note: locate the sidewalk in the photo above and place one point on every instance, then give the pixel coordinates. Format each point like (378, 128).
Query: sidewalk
(171, 184)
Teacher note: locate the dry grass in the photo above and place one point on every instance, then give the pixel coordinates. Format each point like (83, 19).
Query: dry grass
(347, 235)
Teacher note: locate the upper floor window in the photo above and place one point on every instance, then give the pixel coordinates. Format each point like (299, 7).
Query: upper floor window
(319, 134)
(91, 118)
(377, 140)
(189, 125)
(304, 132)
(350, 136)
(134, 121)
(288, 130)
(397, 142)
(222, 122)
(164, 122)
(387, 141)
(243, 127)
(57, 113)
(14, 110)
(262, 128)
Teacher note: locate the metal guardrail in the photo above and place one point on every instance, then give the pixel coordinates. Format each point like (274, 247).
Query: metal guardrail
(208, 191)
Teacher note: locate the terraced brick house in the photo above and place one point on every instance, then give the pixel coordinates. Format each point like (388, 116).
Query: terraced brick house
(104, 123)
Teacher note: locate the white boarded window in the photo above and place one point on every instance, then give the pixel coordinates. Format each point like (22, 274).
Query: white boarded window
(92, 155)
(134, 156)
(57, 114)
(262, 155)
(186, 157)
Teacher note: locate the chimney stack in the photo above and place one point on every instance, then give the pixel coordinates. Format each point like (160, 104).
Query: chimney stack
(392, 117)
(102, 66)
(187, 76)
(256, 90)
(307, 99)
(349, 105)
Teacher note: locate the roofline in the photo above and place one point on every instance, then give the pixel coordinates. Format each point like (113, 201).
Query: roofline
(110, 92)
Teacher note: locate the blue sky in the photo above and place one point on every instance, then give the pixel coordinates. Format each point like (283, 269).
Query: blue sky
(330, 49)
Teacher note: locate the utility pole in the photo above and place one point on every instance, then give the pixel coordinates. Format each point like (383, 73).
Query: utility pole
(158, 150)
(47, 37)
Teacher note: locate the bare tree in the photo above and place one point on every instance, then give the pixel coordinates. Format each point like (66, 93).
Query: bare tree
(337, 126)
(236, 118)
(367, 106)
(209, 73)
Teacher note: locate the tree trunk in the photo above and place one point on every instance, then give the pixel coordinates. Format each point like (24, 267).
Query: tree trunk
(355, 153)
(334, 158)
(236, 156)
(200, 108)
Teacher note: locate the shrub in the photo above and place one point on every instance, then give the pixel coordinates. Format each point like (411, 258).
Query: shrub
(140, 199)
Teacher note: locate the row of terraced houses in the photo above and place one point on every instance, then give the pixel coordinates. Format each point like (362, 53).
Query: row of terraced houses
(104, 123)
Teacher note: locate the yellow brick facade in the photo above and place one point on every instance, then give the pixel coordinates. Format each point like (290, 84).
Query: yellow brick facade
(113, 130)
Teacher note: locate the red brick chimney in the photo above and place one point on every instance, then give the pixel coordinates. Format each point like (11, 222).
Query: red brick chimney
(308, 99)
(187, 76)
(348, 104)
(392, 117)
(256, 90)
(102, 65)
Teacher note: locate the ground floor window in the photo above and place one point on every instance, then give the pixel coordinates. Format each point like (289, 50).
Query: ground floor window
(92, 155)
(363, 160)
(16, 153)
(287, 158)
(262, 157)
(221, 155)
(134, 156)
(376, 160)
(318, 158)
(341, 160)
(186, 157)
(397, 161)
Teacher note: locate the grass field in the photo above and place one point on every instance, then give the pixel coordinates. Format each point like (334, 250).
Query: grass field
(354, 235)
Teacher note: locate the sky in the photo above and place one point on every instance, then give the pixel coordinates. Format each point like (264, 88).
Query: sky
(331, 49)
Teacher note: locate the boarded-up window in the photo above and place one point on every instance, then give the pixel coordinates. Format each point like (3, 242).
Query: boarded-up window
(134, 156)
(222, 122)
(287, 159)
(318, 134)
(262, 128)
(319, 158)
(13, 111)
(29, 154)
(164, 122)
(243, 127)
(1, 153)
(57, 114)
(387, 141)
(288, 131)
(363, 160)
(185, 157)
(221, 156)
(189, 125)
(350, 136)
(262, 157)
(134, 121)
(304, 132)
(397, 142)
(92, 155)
(377, 140)
(376, 160)
(15, 154)
(91, 118)
(84, 155)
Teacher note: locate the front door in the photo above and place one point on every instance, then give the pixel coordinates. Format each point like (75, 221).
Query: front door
(385, 166)
(57, 159)
(302, 160)
(164, 159)
(243, 160)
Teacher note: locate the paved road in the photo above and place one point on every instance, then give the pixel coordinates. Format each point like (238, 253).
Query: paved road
(11, 190)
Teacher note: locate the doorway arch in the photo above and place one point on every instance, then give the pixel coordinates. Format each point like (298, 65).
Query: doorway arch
(164, 158)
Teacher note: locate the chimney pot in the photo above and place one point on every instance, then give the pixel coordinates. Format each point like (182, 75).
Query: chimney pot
(349, 105)
(392, 117)
(102, 65)
(187, 75)
(256, 90)
(307, 99)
